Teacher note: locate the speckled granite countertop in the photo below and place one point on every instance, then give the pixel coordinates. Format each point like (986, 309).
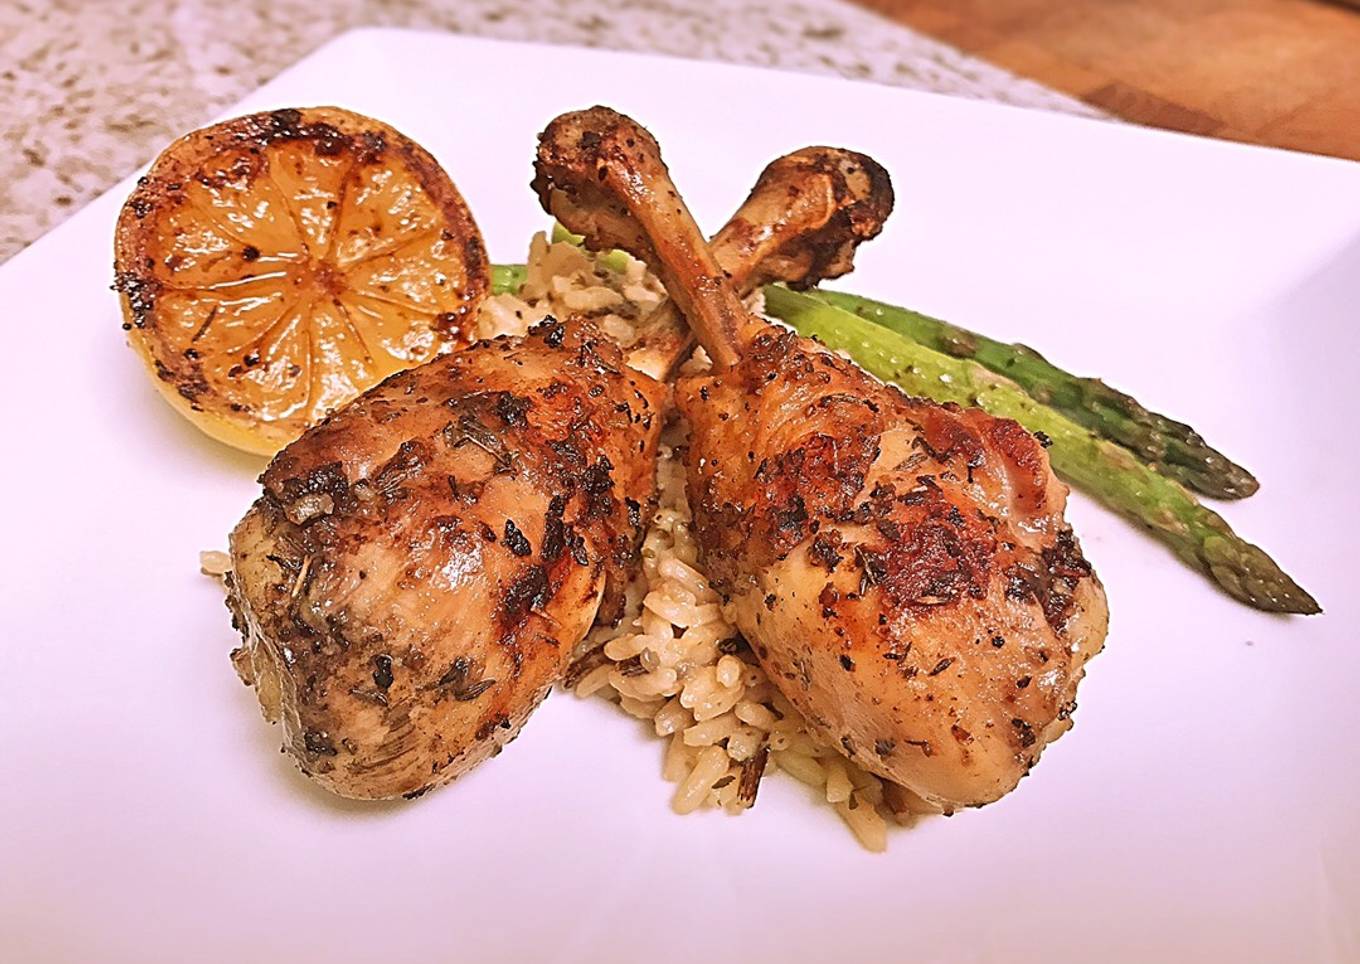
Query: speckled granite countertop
(93, 88)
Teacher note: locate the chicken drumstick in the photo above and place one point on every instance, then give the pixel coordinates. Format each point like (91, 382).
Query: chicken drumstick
(902, 569)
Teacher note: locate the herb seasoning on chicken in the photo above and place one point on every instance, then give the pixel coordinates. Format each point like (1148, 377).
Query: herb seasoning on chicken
(948, 524)
(397, 638)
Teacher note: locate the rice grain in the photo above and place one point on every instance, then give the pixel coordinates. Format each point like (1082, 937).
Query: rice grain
(708, 769)
(711, 731)
(865, 823)
(802, 767)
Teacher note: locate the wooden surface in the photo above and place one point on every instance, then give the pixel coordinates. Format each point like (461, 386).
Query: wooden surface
(1278, 72)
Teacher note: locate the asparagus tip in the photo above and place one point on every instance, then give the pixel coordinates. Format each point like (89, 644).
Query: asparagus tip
(1248, 574)
(1218, 478)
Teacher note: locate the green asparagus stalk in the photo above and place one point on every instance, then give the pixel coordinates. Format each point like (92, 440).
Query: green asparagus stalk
(507, 278)
(1102, 469)
(1173, 448)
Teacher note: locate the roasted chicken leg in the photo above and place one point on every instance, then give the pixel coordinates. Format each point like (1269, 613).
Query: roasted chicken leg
(421, 564)
(902, 569)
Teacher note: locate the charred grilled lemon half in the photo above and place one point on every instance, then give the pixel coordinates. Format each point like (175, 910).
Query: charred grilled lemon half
(273, 267)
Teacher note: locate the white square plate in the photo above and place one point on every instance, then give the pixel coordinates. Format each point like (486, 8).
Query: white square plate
(1205, 806)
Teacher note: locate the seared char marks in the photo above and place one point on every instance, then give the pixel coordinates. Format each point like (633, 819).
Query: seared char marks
(1055, 582)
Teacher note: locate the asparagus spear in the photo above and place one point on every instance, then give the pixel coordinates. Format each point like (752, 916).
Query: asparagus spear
(1105, 471)
(507, 278)
(1173, 448)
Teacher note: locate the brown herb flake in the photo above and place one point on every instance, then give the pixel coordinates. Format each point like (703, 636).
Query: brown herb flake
(751, 772)
(516, 541)
(1025, 730)
(526, 593)
(463, 680)
(828, 598)
(824, 550)
(318, 742)
(583, 665)
(730, 646)
(372, 696)
(382, 671)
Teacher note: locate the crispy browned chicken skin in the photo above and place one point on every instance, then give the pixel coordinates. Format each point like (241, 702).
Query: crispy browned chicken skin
(902, 569)
(421, 564)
